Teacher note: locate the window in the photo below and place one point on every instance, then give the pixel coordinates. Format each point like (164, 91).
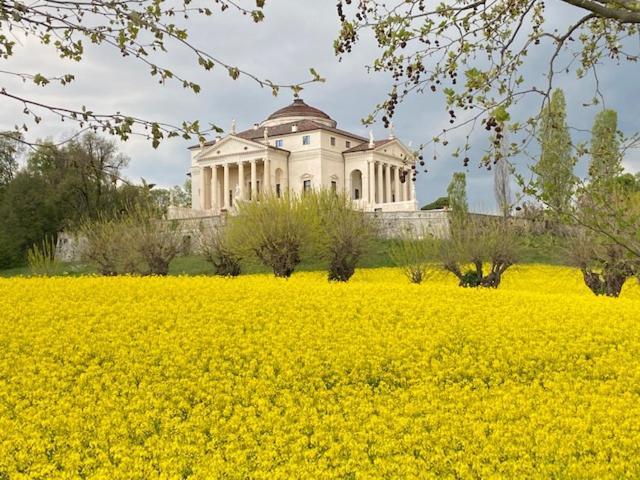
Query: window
(334, 186)
(356, 194)
(348, 144)
(306, 140)
(278, 190)
(333, 141)
(231, 198)
(306, 186)
(279, 143)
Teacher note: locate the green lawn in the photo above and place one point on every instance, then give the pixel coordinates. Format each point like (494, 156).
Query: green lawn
(540, 249)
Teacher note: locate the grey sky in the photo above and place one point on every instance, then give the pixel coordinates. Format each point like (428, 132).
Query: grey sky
(296, 35)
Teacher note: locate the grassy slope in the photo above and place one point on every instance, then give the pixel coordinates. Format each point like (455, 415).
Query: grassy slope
(539, 250)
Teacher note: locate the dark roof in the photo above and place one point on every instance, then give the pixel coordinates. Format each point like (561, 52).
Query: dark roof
(285, 129)
(298, 109)
(365, 146)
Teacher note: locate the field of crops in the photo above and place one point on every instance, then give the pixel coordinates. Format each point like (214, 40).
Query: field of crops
(256, 377)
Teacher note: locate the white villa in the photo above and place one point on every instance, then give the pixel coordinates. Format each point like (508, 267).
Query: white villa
(296, 149)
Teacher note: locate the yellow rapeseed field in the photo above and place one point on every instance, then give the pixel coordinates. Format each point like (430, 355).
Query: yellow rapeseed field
(257, 377)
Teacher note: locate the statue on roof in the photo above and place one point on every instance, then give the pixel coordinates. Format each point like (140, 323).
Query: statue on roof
(392, 131)
(233, 127)
(266, 135)
(372, 142)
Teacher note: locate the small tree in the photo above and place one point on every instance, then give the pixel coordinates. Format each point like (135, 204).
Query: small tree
(157, 241)
(605, 266)
(217, 250)
(275, 230)
(343, 233)
(481, 241)
(109, 246)
(414, 255)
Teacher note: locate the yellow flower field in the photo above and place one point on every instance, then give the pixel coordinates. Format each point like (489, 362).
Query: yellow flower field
(257, 377)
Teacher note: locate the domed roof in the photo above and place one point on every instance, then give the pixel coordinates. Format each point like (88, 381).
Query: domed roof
(298, 109)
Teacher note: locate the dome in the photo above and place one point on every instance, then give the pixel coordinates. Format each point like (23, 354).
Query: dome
(298, 110)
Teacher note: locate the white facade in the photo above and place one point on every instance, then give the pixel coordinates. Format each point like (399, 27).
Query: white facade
(298, 148)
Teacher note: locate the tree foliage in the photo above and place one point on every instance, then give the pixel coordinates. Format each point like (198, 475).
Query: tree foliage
(143, 31)
(475, 54)
(556, 180)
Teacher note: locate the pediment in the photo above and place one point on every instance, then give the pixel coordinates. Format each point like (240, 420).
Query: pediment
(230, 145)
(395, 148)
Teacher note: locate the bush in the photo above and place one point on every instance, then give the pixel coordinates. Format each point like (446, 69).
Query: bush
(136, 243)
(216, 248)
(414, 254)
(157, 241)
(342, 233)
(274, 230)
(41, 258)
(475, 242)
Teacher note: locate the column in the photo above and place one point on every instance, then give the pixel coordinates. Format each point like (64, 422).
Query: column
(240, 180)
(371, 190)
(215, 195)
(387, 182)
(396, 176)
(413, 190)
(203, 188)
(267, 174)
(254, 181)
(286, 177)
(407, 180)
(225, 189)
(380, 189)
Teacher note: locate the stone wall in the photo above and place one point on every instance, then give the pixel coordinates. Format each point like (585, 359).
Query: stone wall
(392, 224)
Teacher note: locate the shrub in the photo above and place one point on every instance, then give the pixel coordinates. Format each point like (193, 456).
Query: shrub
(477, 241)
(109, 246)
(342, 234)
(274, 230)
(41, 258)
(156, 241)
(135, 242)
(439, 203)
(216, 248)
(414, 255)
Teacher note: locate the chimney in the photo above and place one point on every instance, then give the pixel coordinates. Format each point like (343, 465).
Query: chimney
(294, 128)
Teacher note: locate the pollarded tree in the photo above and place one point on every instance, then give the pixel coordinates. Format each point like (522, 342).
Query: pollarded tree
(139, 30)
(554, 169)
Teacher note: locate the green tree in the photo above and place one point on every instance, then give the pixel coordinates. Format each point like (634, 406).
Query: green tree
(457, 195)
(554, 169)
(28, 214)
(10, 149)
(606, 158)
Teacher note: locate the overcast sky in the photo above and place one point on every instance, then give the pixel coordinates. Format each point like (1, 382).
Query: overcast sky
(296, 35)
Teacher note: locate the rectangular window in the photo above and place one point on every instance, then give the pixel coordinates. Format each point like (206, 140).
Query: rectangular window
(278, 190)
(231, 198)
(279, 143)
(333, 141)
(348, 144)
(356, 194)
(306, 186)
(334, 186)
(306, 140)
